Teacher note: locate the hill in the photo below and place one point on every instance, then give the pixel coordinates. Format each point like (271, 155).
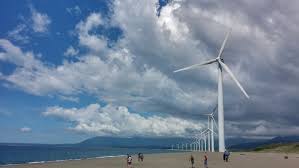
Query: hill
(150, 142)
(133, 142)
(250, 146)
(279, 147)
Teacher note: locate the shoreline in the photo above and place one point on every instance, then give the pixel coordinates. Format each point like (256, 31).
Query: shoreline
(31, 162)
(87, 158)
(175, 160)
(55, 161)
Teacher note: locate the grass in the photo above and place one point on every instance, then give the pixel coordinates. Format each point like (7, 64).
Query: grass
(279, 148)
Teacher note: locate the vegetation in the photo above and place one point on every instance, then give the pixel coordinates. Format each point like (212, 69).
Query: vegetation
(279, 147)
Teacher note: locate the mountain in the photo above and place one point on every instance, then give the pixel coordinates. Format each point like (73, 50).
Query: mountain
(143, 142)
(284, 139)
(238, 140)
(279, 147)
(235, 144)
(147, 142)
(259, 143)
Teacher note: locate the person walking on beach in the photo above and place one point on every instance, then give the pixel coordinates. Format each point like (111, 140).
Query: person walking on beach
(129, 161)
(141, 157)
(205, 161)
(226, 155)
(192, 161)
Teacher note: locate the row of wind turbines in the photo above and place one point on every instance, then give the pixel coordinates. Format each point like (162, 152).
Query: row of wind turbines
(203, 141)
(220, 66)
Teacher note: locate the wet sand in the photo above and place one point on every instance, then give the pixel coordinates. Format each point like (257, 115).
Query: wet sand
(180, 160)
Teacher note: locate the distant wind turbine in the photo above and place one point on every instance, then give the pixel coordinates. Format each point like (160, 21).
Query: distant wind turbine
(221, 66)
(211, 132)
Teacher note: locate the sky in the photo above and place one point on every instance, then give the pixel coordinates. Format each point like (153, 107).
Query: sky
(71, 70)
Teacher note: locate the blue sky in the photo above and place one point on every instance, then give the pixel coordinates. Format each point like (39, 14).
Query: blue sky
(79, 69)
(20, 109)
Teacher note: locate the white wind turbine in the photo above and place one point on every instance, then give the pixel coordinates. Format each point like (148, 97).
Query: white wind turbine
(196, 142)
(206, 139)
(219, 61)
(201, 139)
(211, 132)
(198, 138)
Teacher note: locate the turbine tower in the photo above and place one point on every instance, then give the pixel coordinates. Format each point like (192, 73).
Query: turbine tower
(219, 61)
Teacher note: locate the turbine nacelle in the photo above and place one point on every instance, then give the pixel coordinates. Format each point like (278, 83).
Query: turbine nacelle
(220, 62)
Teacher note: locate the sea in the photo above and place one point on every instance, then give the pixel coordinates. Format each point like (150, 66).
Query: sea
(20, 154)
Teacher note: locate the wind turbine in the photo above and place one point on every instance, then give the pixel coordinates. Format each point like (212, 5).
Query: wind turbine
(219, 61)
(197, 144)
(206, 139)
(211, 122)
(198, 138)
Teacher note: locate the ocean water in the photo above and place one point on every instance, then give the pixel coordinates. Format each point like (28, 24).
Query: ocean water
(10, 154)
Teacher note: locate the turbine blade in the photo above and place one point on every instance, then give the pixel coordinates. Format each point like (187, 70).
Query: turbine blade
(215, 123)
(234, 78)
(196, 65)
(212, 131)
(223, 44)
(215, 108)
(203, 132)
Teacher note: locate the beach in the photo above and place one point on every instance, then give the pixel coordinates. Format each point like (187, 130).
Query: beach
(179, 160)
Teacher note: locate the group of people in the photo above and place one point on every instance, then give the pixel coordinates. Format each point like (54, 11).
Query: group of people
(192, 160)
(130, 159)
(205, 161)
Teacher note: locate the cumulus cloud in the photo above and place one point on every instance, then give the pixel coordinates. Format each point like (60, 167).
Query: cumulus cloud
(137, 71)
(259, 128)
(25, 129)
(40, 21)
(113, 77)
(253, 52)
(113, 120)
(15, 55)
(86, 37)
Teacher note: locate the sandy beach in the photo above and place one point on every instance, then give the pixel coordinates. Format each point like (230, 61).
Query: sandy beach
(180, 160)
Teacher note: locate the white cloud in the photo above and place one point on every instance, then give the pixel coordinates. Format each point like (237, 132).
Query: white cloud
(71, 51)
(86, 37)
(260, 128)
(28, 27)
(137, 71)
(14, 54)
(178, 30)
(69, 98)
(115, 79)
(112, 120)
(25, 129)
(40, 21)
